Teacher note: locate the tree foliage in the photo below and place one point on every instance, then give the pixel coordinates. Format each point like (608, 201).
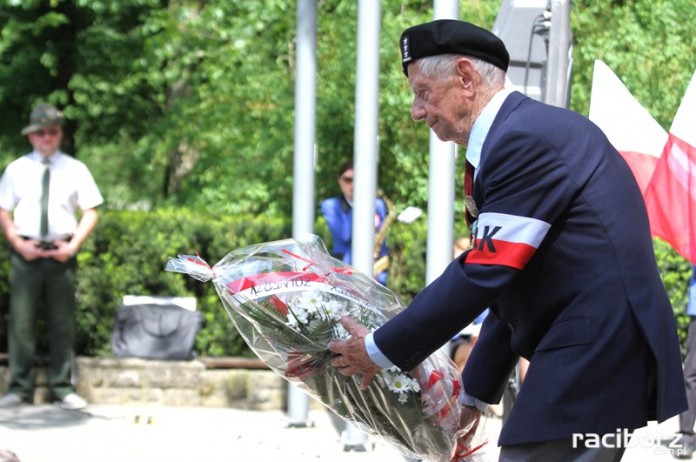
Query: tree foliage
(190, 102)
(648, 43)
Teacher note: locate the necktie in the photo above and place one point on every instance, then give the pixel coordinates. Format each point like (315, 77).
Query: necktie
(45, 182)
(471, 210)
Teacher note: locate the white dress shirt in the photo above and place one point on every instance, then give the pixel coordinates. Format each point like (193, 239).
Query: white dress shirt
(72, 188)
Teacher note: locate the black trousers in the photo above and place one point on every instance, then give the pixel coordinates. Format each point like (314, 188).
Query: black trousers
(32, 282)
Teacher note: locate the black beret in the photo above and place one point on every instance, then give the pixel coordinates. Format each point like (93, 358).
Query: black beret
(448, 36)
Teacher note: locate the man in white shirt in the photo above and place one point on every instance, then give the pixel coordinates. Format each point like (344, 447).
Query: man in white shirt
(48, 203)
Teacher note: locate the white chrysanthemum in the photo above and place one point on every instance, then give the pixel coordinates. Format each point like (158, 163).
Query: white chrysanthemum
(335, 309)
(303, 316)
(413, 384)
(297, 314)
(400, 383)
(312, 308)
(303, 308)
(311, 300)
(322, 312)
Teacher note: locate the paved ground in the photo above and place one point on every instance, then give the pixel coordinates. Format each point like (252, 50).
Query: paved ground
(156, 434)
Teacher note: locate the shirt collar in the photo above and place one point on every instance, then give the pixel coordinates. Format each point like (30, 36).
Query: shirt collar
(482, 125)
(39, 158)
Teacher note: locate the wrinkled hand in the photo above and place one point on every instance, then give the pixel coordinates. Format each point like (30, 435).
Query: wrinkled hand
(352, 358)
(468, 424)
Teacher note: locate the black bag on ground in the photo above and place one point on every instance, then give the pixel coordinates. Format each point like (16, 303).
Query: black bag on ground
(155, 331)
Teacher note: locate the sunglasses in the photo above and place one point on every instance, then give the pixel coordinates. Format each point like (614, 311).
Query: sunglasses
(50, 132)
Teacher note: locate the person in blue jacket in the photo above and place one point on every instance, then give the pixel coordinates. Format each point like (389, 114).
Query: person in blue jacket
(338, 212)
(562, 256)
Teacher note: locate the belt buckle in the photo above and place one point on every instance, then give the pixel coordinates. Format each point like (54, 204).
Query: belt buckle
(47, 245)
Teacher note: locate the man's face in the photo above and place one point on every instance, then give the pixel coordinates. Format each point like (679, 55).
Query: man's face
(345, 181)
(46, 140)
(443, 103)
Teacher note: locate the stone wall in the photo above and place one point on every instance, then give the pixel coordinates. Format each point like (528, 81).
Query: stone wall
(172, 383)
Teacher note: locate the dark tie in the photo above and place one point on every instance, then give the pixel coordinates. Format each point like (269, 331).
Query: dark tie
(45, 182)
(471, 210)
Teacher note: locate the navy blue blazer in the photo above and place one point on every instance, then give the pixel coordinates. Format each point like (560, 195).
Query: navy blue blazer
(564, 258)
(339, 217)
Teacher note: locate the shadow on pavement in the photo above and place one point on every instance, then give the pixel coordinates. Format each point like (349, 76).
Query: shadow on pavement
(37, 417)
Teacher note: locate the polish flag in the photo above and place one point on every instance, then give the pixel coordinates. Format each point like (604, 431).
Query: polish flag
(628, 125)
(671, 194)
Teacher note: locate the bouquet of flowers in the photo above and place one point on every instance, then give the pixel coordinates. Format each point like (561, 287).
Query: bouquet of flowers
(286, 299)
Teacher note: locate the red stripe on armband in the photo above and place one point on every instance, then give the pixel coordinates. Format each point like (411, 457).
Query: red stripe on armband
(496, 252)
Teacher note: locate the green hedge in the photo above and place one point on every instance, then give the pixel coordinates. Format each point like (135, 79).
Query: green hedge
(127, 252)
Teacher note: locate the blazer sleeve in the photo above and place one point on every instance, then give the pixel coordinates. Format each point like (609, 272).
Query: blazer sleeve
(440, 311)
(490, 364)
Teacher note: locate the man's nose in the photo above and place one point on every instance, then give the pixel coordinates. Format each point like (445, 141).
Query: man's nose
(417, 111)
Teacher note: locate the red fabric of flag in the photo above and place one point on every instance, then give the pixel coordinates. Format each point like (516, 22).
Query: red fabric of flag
(671, 197)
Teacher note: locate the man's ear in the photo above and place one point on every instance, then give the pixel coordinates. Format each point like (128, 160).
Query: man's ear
(466, 74)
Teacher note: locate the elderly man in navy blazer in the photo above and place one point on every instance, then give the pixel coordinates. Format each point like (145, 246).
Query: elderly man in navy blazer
(561, 252)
